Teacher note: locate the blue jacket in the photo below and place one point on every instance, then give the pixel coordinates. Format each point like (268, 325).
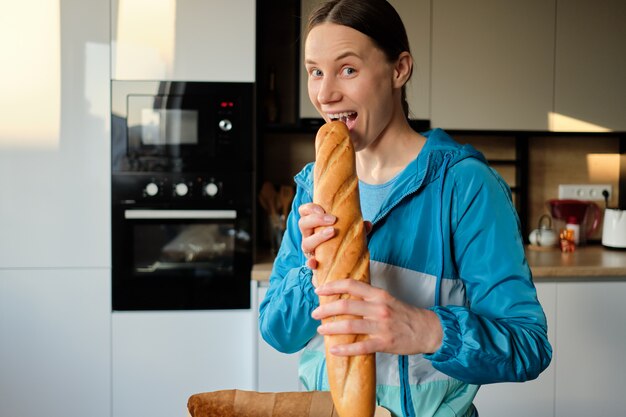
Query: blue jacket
(447, 238)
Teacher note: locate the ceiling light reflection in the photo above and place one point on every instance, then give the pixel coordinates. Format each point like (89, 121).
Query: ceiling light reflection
(30, 103)
(144, 41)
(561, 123)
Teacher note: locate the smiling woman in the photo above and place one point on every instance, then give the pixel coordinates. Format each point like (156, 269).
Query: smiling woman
(354, 77)
(451, 303)
(29, 42)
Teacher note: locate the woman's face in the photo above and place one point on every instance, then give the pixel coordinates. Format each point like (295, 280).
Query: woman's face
(350, 79)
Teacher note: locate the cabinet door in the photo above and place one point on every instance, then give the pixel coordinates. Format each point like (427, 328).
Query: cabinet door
(161, 358)
(591, 337)
(192, 40)
(492, 64)
(531, 398)
(277, 371)
(590, 89)
(55, 342)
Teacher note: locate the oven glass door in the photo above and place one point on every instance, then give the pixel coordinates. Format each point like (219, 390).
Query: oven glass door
(182, 259)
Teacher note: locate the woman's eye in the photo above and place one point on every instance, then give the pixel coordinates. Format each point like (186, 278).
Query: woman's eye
(349, 71)
(316, 73)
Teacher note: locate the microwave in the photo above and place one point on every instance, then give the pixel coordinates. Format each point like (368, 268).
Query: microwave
(176, 126)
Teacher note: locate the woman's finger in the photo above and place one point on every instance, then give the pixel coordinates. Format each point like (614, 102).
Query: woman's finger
(313, 241)
(342, 307)
(311, 263)
(363, 347)
(353, 287)
(347, 326)
(310, 222)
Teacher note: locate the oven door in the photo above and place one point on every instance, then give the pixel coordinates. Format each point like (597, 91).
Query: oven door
(166, 259)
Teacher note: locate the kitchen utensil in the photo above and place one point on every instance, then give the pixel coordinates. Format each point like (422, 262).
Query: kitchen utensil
(544, 235)
(584, 213)
(268, 198)
(285, 196)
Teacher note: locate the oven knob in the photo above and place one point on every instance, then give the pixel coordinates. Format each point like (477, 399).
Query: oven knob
(225, 125)
(211, 189)
(152, 189)
(181, 189)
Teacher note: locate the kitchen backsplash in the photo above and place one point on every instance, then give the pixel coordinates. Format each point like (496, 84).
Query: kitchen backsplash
(570, 160)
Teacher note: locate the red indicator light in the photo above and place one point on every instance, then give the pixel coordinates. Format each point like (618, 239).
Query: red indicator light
(224, 104)
(231, 104)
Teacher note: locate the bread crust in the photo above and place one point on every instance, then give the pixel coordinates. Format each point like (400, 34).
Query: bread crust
(352, 379)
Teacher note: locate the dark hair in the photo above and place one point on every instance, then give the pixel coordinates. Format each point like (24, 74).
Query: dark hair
(374, 18)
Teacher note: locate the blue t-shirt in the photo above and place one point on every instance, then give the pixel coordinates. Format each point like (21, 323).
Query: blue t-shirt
(373, 196)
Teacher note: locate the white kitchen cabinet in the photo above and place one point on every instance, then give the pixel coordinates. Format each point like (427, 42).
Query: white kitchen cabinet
(191, 40)
(591, 346)
(492, 64)
(587, 376)
(55, 306)
(531, 398)
(55, 343)
(590, 85)
(161, 358)
(278, 372)
(415, 15)
(54, 135)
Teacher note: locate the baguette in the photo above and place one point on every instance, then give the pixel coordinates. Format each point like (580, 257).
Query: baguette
(352, 379)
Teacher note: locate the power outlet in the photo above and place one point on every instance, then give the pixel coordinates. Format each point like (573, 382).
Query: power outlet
(584, 191)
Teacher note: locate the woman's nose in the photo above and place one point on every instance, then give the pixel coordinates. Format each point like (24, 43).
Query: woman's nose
(328, 91)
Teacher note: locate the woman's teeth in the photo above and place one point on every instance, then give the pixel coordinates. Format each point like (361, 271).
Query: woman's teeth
(342, 116)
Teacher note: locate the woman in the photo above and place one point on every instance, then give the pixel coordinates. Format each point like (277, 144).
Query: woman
(452, 304)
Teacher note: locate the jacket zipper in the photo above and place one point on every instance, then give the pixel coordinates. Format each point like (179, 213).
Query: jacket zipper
(407, 400)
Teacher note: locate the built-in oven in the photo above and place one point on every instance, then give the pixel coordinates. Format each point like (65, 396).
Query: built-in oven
(182, 195)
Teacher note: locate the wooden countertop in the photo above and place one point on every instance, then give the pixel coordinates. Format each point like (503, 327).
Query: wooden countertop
(592, 261)
(586, 262)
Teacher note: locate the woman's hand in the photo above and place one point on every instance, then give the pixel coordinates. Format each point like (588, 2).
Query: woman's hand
(392, 325)
(313, 216)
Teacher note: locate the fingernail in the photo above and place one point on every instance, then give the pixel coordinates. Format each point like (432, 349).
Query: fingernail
(328, 231)
(329, 218)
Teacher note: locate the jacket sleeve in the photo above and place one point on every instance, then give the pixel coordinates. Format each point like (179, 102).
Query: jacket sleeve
(285, 320)
(501, 335)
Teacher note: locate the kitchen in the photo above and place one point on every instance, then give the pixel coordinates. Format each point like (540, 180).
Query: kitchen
(56, 323)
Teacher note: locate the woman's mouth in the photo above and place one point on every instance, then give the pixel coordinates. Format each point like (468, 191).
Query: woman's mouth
(349, 118)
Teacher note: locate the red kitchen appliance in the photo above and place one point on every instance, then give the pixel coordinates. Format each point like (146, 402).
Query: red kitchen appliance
(585, 214)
